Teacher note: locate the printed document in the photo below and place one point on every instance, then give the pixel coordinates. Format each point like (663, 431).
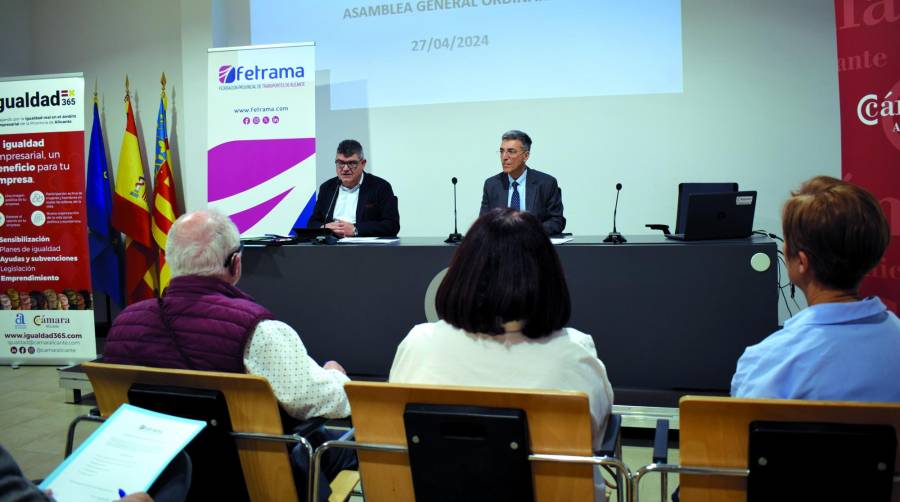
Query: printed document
(128, 452)
(368, 240)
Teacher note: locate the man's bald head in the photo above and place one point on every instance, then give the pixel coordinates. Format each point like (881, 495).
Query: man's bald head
(199, 243)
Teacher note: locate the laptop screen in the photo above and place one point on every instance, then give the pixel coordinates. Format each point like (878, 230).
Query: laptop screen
(686, 189)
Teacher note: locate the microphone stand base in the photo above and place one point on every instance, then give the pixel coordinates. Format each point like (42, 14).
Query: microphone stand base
(454, 238)
(615, 238)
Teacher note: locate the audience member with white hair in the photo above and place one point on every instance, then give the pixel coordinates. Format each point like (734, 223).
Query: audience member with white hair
(204, 322)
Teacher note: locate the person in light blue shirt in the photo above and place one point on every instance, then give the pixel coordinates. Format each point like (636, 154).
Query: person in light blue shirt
(842, 347)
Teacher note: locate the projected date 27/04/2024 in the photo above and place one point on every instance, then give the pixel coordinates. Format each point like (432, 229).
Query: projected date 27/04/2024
(433, 44)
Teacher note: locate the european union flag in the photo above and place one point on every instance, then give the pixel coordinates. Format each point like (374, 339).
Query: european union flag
(103, 239)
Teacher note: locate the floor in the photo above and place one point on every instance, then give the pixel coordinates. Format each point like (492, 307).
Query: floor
(34, 421)
(35, 418)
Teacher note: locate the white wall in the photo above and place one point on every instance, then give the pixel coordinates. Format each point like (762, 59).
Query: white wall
(107, 39)
(230, 23)
(760, 107)
(196, 38)
(15, 34)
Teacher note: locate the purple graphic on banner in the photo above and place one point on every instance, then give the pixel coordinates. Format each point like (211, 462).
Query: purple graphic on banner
(237, 166)
(251, 216)
(226, 74)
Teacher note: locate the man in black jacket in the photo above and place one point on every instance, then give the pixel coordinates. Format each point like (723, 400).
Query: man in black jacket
(355, 203)
(523, 188)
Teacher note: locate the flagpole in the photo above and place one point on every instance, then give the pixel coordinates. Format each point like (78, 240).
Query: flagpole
(105, 294)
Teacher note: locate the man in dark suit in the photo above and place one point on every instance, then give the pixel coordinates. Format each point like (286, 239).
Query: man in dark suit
(523, 188)
(355, 203)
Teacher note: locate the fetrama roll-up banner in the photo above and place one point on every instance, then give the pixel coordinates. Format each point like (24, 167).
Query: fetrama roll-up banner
(262, 136)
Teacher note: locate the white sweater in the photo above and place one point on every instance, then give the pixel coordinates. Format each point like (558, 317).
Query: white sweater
(440, 354)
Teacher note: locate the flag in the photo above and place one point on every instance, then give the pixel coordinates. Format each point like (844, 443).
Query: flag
(102, 238)
(131, 214)
(164, 202)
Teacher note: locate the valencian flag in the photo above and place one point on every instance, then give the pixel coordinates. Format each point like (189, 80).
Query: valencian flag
(164, 205)
(103, 239)
(131, 214)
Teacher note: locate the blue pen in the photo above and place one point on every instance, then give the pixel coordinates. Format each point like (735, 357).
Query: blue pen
(121, 493)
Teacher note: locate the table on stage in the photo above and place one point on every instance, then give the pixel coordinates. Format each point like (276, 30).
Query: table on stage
(667, 317)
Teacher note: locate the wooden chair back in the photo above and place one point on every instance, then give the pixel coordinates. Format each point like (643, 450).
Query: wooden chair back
(251, 405)
(558, 423)
(714, 433)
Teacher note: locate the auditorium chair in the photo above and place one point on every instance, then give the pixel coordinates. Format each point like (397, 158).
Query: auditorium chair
(781, 449)
(242, 454)
(431, 443)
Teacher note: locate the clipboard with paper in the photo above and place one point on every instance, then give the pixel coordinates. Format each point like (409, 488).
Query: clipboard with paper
(127, 452)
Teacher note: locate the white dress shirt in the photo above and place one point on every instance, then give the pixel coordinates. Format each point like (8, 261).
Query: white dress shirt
(302, 387)
(347, 200)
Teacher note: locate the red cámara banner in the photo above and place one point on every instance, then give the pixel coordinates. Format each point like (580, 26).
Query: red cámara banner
(868, 49)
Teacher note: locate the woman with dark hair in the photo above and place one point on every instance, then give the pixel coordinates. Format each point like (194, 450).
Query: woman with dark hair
(503, 306)
(842, 347)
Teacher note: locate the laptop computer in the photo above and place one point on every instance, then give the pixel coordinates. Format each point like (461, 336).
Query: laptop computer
(686, 189)
(725, 215)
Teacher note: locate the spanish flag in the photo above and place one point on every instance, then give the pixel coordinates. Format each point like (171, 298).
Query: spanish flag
(164, 202)
(131, 214)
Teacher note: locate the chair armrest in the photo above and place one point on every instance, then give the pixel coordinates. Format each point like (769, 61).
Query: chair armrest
(303, 427)
(308, 426)
(661, 442)
(611, 437)
(350, 435)
(70, 437)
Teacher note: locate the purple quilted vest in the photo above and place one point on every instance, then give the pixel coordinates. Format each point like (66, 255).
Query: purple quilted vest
(210, 322)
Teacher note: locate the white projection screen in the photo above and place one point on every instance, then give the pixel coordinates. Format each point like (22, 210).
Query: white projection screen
(648, 93)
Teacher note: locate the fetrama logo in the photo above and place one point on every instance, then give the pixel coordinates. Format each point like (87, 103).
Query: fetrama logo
(227, 74)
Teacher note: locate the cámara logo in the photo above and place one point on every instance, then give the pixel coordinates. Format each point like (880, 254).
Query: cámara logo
(41, 320)
(870, 108)
(229, 74)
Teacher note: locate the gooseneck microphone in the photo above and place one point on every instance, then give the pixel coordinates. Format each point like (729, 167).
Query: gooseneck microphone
(455, 237)
(329, 219)
(329, 237)
(615, 237)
